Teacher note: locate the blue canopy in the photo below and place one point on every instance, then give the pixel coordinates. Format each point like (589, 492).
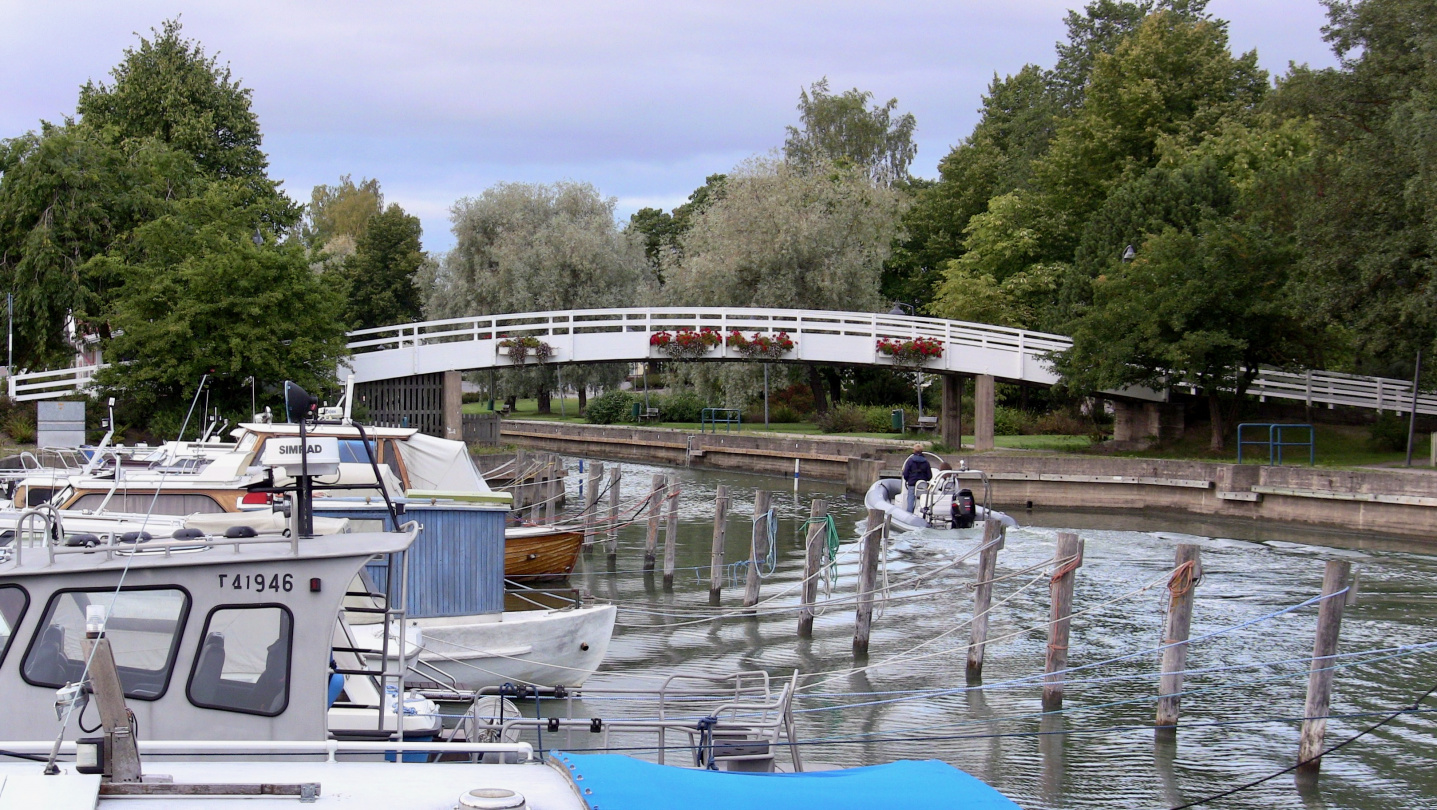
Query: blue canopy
(616, 782)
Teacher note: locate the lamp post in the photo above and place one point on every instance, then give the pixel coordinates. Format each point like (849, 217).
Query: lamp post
(900, 308)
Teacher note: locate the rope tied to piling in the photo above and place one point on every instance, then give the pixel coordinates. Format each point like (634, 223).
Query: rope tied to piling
(1183, 578)
(1072, 564)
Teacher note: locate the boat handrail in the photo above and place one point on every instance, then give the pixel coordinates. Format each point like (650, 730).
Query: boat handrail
(328, 748)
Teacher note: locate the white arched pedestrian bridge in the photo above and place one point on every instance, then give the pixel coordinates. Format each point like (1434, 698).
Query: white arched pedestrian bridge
(827, 337)
(623, 335)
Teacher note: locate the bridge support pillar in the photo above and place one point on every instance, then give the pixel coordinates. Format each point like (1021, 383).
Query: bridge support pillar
(1142, 423)
(951, 420)
(453, 401)
(984, 404)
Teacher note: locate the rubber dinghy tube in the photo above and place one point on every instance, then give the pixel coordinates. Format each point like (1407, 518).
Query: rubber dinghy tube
(884, 495)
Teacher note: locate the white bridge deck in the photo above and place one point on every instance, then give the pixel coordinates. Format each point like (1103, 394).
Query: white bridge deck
(844, 338)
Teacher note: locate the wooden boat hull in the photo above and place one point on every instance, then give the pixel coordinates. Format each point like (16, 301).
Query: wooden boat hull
(537, 556)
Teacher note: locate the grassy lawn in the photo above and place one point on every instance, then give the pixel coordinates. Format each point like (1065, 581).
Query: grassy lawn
(529, 409)
(1338, 446)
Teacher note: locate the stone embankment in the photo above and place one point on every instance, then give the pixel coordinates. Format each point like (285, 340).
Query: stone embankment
(1396, 502)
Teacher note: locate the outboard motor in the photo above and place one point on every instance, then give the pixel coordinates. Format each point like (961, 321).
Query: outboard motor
(964, 510)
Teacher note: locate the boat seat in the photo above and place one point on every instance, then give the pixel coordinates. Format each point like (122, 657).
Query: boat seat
(205, 683)
(48, 664)
(270, 692)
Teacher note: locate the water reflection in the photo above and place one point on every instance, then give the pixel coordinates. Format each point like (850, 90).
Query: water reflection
(1244, 698)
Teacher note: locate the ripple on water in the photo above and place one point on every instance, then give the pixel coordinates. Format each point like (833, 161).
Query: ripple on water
(1240, 718)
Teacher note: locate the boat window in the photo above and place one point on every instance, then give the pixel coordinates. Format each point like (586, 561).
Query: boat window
(144, 629)
(168, 503)
(243, 661)
(391, 457)
(247, 442)
(13, 601)
(352, 451)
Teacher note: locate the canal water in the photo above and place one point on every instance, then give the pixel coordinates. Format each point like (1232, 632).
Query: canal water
(1244, 697)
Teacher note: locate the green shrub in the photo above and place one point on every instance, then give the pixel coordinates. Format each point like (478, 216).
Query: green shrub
(681, 406)
(1010, 421)
(783, 414)
(473, 396)
(1388, 434)
(849, 418)
(1061, 423)
(610, 407)
(18, 421)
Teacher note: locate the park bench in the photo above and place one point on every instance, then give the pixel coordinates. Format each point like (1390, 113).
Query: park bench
(928, 423)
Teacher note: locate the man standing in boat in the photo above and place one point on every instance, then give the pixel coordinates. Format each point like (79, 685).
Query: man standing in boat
(916, 469)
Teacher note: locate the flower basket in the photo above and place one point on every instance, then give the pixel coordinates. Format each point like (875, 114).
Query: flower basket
(519, 349)
(911, 353)
(760, 346)
(685, 344)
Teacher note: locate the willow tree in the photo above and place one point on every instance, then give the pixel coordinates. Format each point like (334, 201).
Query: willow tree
(528, 247)
(789, 237)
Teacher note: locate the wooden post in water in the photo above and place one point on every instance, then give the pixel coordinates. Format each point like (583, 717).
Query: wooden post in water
(656, 515)
(671, 532)
(552, 492)
(873, 530)
(812, 560)
(1068, 559)
(1319, 680)
(615, 478)
(983, 597)
(516, 482)
(591, 501)
(1187, 571)
(758, 547)
(716, 550)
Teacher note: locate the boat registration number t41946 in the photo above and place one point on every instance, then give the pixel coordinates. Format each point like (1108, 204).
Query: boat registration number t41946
(257, 582)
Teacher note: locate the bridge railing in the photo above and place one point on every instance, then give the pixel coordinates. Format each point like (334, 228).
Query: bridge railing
(32, 385)
(1027, 349)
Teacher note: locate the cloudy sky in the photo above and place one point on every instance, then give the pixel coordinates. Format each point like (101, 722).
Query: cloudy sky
(644, 99)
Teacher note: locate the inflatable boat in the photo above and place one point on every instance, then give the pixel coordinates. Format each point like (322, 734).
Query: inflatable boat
(942, 503)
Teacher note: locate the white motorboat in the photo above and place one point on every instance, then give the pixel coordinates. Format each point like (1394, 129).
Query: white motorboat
(941, 503)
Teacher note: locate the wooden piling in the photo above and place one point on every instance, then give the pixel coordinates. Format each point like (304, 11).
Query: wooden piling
(1187, 571)
(1319, 680)
(716, 550)
(591, 501)
(983, 597)
(552, 493)
(671, 532)
(758, 546)
(615, 480)
(656, 515)
(873, 531)
(522, 498)
(812, 559)
(1067, 560)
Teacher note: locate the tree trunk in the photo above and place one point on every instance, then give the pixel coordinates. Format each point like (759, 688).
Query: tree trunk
(545, 406)
(512, 401)
(835, 385)
(820, 397)
(583, 396)
(1214, 409)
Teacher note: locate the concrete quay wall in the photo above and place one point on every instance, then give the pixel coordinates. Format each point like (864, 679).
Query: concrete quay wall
(1395, 502)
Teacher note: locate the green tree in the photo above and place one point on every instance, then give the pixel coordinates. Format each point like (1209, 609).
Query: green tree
(167, 88)
(65, 197)
(1212, 293)
(1097, 30)
(785, 237)
(380, 275)
(844, 131)
(200, 297)
(662, 231)
(530, 247)
(341, 212)
(1368, 218)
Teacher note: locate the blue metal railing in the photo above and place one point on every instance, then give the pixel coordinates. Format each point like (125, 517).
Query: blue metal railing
(713, 417)
(1276, 441)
